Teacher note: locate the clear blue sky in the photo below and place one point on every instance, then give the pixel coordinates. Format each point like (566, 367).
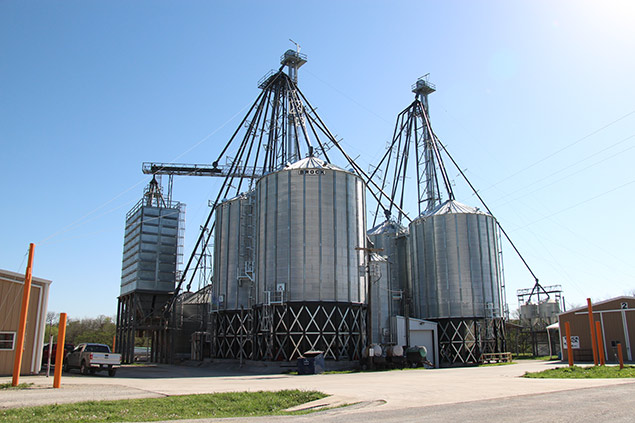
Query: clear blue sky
(535, 99)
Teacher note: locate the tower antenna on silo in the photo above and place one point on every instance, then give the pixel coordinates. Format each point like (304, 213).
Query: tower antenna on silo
(297, 46)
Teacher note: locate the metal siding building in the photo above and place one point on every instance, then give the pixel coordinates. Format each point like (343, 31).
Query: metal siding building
(11, 291)
(617, 319)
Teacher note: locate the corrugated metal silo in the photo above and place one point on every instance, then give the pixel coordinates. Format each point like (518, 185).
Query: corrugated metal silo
(234, 253)
(455, 280)
(311, 217)
(388, 292)
(455, 263)
(310, 290)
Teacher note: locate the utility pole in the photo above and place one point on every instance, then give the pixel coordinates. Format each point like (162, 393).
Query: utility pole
(19, 347)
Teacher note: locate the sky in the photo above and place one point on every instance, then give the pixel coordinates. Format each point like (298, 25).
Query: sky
(535, 100)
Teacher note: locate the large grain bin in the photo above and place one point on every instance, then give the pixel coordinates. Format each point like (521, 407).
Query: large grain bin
(455, 268)
(311, 219)
(234, 253)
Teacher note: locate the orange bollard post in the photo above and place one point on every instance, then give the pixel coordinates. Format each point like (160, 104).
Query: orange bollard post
(59, 356)
(598, 335)
(26, 295)
(567, 330)
(114, 338)
(592, 329)
(620, 356)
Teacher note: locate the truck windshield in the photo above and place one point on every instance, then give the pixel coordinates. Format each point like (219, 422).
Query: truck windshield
(97, 348)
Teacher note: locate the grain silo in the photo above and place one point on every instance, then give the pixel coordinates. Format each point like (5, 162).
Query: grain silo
(455, 279)
(389, 278)
(452, 254)
(311, 219)
(289, 235)
(234, 253)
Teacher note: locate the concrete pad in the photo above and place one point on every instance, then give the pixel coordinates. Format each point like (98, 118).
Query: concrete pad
(396, 389)
(43, 395)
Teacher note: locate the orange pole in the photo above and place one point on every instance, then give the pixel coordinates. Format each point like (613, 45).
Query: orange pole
(567, 330)
(26, 295)
(620, 356)
(592, 329)
(59, 354)
(598, 333)
(114, 338)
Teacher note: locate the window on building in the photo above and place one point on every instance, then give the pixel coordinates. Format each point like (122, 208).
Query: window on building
(7, 340)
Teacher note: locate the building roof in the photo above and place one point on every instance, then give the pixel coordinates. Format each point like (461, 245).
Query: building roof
(584, 308)
(19, 277)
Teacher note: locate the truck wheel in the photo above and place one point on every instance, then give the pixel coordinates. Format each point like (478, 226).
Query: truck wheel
(112, 372)
(83, 369)
(65, 367)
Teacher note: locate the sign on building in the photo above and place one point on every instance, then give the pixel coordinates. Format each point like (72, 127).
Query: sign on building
(575, 342)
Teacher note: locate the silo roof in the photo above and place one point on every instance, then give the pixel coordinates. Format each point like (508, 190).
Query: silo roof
(311, 163)
(386, 226)
(453, 206)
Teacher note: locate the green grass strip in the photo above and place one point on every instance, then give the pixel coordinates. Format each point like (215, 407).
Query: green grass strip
(9, 385)
(232, 404)
(503, 363)
(576, 372)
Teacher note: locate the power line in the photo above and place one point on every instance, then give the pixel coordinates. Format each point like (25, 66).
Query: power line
(77, 222)
(577, 204)
(561, 150)
(564, 177)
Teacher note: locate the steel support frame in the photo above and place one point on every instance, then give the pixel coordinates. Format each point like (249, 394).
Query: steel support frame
(139, 314)
(463, 340)
(232, 334)
(292, 328)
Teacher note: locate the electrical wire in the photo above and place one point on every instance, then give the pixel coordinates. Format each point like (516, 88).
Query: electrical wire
(351, 99)
(569, 167)
(577, 204)
(76, 223)
(560, 150)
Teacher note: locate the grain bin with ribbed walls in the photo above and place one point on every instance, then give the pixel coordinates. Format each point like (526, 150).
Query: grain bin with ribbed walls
(455, 279)
(233, 253)
(310, 290)
(454, 263)
(311, 217)
(390, 282)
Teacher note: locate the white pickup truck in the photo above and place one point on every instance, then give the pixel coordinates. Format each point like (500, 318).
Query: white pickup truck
(91, 358)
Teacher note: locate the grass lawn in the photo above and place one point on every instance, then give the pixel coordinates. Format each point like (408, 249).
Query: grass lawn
(20, 385)
(576, 372)
(503, 363)
(539, 358)
(233, 404)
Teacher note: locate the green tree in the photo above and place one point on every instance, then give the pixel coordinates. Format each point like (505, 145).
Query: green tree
(100, 329)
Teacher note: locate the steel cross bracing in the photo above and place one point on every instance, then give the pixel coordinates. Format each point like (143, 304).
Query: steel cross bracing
(279, 127)
(463, 341)
(413, 130)
(413, 136)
